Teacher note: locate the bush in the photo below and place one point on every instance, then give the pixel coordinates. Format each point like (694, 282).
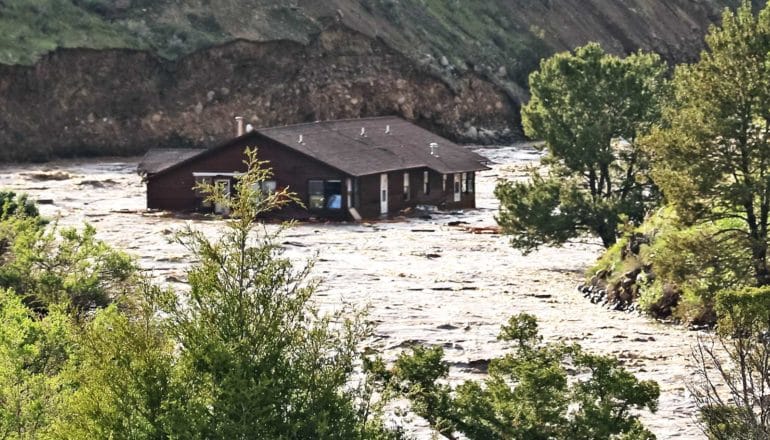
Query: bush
(537, 391)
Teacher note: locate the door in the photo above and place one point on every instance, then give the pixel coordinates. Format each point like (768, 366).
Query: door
(383, 193)
(218, 207)
(458, 188)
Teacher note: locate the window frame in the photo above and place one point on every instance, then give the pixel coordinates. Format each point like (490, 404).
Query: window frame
(469, 182)
(407, 187)
(320, 199)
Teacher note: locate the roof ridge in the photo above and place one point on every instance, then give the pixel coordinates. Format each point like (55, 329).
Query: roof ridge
(330, 121)
(176, 149)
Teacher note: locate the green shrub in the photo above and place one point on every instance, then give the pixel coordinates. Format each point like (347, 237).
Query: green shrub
(529, 393)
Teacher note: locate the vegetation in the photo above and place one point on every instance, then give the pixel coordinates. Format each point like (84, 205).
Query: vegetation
(703, 258)
(709, 154)
(738, 357)
(713, 151)
(89, 349)
(676, 189)
(529, 393)
(590, 108)
(31, 28)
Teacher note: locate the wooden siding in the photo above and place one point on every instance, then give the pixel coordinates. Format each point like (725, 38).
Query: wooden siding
(369, 193)
(172, 190)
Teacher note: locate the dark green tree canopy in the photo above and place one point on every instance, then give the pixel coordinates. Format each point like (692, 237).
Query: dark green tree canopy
(712, 153)
(589, 108)
(529, 393)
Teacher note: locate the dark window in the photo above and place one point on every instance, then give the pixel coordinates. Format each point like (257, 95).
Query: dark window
(315, 191)
(469, 182)
(324, 194)
(333, 194)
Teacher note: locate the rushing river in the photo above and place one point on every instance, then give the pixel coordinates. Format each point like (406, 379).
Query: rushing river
(424, 280)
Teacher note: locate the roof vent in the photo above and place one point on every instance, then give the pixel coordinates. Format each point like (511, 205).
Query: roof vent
(387, 129)
(300, 140)
(363, 131)
(434, 149)
(239, 125)
(249, 128)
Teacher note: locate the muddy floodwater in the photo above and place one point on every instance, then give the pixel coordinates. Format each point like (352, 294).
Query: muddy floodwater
(424, 280)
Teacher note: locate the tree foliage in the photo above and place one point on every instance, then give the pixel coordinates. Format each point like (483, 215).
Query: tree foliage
(34, 352)
(243, 354)
(530, 392)
(12, 204)
(712, 153)
(251, 340)
(733, 368)
(590, 108)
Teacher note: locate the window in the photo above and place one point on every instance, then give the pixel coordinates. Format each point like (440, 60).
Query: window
(265, 187)
(443, 182)
(425, 182)
(469, 182)
(203, 198)
(324, 194)
(464, 180)
(407, 193)
(333, 194)
(268, 186)
(315, 191)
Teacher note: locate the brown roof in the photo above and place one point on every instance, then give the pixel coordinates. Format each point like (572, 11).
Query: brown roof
(341, 145)
(159, 159)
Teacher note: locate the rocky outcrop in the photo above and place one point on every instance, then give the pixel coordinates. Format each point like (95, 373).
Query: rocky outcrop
(174, 73)
(123, 102)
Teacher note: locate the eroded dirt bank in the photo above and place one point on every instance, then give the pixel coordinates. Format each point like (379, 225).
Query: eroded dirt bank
(120, 102)
(426, 281)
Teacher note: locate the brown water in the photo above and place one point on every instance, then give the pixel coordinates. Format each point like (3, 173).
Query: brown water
(423, 280)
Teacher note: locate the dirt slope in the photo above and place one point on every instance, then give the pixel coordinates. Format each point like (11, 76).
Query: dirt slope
(135, 74)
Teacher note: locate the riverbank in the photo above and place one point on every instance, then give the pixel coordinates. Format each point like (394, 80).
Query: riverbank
(424, 280)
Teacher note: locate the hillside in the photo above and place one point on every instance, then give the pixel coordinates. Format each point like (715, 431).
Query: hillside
(119, 76)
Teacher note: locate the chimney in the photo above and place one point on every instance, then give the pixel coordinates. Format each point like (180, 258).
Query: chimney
(387, 129)
(363, 131)
(300, 140)
(239, 126)
(433, 148)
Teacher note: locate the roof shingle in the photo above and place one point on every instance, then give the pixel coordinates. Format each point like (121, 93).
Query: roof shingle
(159, 159)
(387, 144)
(341, 145)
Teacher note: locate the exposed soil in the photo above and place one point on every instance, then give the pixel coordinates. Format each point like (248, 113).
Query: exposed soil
(121, 102)
(168, 73)
(424, 280)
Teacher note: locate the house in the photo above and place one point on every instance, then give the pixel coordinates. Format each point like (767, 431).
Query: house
(359, 168)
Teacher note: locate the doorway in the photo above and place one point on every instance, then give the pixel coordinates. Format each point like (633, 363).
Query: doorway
(458, 188)
(383, 194)
(219, 208)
